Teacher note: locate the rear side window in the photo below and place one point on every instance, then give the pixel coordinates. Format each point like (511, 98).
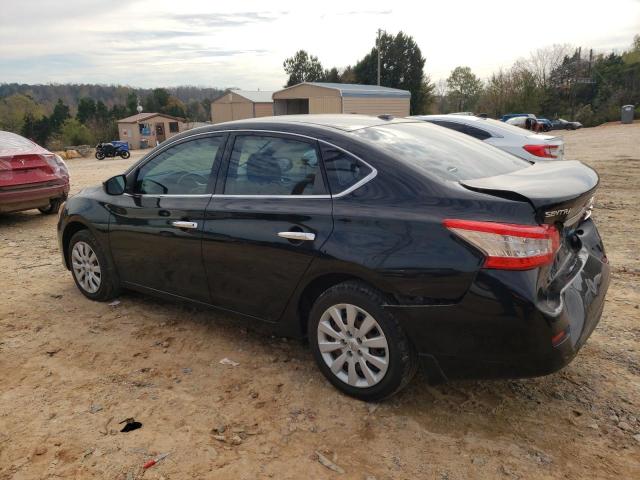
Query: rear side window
(458, 127)
(462, 128)
(264, 165)
(439, 152)
(476, 132)
(343, 170)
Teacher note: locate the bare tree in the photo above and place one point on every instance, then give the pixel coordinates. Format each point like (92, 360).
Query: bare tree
(441, 91)
(544, 60)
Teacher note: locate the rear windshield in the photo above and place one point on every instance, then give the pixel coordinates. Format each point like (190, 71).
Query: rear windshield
(441, 152)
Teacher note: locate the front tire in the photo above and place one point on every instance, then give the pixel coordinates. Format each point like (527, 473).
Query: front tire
(125, 155)
(92, 271)
(100, 155)
(359, 346)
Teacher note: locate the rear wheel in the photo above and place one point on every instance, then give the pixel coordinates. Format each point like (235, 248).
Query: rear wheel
(53, 207)
(99, 155)
(359, 346)
(92, 271)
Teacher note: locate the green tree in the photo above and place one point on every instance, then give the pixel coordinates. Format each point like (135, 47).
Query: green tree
(42, 130)
(332, 76)
(102, 112)
(132, 103)
(196, 111)
(72, 132)
(13, 110)
(174, 107)
(59, 116)
(86, 109)
(401, 66)
(464, 88)
(303, 67)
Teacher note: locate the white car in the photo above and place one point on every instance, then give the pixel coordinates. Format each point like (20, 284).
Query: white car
(517, 141)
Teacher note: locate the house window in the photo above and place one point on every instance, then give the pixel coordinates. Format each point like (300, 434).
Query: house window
(173, 127)
(144, 129)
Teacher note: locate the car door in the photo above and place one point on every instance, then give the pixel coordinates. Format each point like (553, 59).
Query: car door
(269, 218)
(155, 232)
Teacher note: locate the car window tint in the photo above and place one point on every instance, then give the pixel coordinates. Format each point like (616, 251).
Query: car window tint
(343, 170)
(439, 152)
(184, 169)
(476, 132)
(264, 165)
(458, 127)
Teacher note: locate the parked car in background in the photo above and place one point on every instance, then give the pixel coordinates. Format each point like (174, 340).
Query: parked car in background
(30, 176)
(522, 143)
(381, 240)
(544, 123)
(562, 124)
(507, 116)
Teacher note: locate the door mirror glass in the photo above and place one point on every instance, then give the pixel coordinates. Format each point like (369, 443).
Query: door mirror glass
(115, 185)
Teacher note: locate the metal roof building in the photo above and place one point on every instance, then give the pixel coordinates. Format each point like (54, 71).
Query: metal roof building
(239, 104)
(319, 97)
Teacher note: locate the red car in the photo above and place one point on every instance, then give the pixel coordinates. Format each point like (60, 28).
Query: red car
(30, 176)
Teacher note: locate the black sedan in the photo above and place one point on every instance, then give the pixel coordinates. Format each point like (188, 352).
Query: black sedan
(562, 124)
(382, 241)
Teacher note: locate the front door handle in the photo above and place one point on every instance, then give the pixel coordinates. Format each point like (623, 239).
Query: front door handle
(298, 236)
(184, 224)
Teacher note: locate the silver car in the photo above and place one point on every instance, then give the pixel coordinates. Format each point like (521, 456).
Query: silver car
(517, 141)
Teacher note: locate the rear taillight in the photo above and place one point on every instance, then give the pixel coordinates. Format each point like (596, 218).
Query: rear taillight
(57, 164)
(508, 246)
(544, 151)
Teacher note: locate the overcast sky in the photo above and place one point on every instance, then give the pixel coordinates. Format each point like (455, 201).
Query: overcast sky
(146, 43)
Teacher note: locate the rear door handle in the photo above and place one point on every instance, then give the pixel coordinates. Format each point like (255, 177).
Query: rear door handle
(184, 224)
(299, 236)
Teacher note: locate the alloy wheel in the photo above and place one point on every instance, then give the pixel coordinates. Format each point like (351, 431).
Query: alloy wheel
(353, 345)
(86, 267)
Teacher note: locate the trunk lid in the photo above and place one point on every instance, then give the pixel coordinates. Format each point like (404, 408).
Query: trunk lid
(559, 191)
(27, 169)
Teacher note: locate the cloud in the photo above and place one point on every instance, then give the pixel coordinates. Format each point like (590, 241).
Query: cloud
(224, 20)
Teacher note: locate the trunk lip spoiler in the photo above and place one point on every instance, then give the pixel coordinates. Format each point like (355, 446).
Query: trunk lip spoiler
(549, 187)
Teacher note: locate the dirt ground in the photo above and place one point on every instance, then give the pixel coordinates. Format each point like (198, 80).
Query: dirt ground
(71, 369)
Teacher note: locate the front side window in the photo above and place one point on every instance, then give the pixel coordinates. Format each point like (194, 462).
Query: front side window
(343, 170)
(263, 165)
(184, 169)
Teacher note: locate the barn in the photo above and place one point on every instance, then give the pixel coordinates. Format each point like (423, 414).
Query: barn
(239, 104)
(319, 97)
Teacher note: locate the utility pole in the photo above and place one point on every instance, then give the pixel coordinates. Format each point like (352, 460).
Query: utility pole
(378, 42)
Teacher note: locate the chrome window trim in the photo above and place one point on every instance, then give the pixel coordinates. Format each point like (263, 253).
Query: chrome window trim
(175, 195)
(341, 194)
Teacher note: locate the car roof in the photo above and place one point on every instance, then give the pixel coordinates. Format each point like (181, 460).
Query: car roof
(344, 122)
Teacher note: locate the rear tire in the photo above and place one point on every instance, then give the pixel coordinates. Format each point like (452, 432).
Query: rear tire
(100, 155)
(92, 270)
(53, 207)
(370, 354)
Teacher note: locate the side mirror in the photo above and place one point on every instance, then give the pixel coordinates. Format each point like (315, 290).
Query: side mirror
(115, 185)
